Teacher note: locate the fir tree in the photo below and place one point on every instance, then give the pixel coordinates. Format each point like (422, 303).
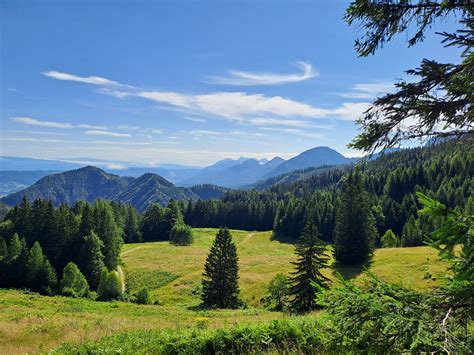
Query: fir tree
(220, 277)
(3, 249)
(181, 234)
(411, 236)
(109, 286)
(355, 230)
(307, 280)
(132, 228)
(91, 259)
(15, 247)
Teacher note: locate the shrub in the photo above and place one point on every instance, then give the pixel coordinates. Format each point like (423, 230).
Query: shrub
(143, 297)
(181, 234)
(73, 283)
(110, 286)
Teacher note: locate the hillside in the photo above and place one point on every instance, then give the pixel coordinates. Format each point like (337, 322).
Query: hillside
(173, 278)
(310, 158)
(91, 183)
(234, 173)
(13, 181)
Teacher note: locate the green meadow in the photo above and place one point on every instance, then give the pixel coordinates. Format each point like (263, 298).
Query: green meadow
(33, 323)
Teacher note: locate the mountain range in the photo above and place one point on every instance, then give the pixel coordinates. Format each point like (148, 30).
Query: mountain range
(91, 183)
(229, 173)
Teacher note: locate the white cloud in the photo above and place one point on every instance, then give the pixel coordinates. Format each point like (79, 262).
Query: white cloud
(94, 80)
(368, 91)
(34, 122)
(244, 78)
(195, 119)
(107, 133)
(88, 126)
(350, 110)
(278, 122)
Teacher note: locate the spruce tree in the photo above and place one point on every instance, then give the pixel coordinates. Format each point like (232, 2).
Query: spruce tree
(3, 249)
(355, 230)
(389, 240)
(307, 280)
(91, 259)
(132, 228)
(220, 277)
(411, 236)
(15, 247)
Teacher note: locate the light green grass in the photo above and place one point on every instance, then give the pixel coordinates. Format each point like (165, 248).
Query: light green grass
(32, 323)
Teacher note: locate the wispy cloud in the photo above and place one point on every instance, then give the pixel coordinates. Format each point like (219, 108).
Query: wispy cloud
(34, 122)
(278, 122)
(42, 123)
(107, 133)
(195, 119)
(241, 106)
(94, 80)
(368, 91)
(245, 78)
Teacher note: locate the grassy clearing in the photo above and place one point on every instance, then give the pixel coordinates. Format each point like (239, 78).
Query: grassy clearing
(32, 323)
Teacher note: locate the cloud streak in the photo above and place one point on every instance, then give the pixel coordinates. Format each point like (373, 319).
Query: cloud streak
(368, 91)
(245, 78)
(34, 122)
(108, 133)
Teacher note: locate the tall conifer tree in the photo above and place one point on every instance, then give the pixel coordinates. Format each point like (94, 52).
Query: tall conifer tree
(355, 230)
(307, 278)
(220, 278)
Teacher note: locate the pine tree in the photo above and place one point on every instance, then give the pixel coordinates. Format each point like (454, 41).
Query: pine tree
(15, 247)
(109, 286)
(181, 234)
(307, 280)
(389, 240)
(3, 249)
(73, 283)
(411, 235)
(91, 259)
(355, 230)
(220, 277)
(40, 275)
(47, 279)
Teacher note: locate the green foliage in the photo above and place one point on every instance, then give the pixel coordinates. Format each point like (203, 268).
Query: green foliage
(383, 318)
(441, 99)
(389, 240)
(411, 236)
(307, 280)
(181, 234)
(300, 335)
(108, 231)
(3, 249)
(355, 231)
(220, 277)
(15, 247)
(131, 229)
(73, 283)
(143, 296)
(110, 287)
(91, 259)
(276, 298)
(457, 229)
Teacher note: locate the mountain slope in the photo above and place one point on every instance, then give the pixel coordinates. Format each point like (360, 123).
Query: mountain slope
(13, 181)
(244, 172)
(310, 158)
(91, 183)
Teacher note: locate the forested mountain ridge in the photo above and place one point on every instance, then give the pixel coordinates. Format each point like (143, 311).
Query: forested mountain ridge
(91, 183)
(444, 171)
(314, 157)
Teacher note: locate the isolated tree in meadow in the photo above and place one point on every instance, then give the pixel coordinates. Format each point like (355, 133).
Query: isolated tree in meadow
(73, 283)
(220, 277)
(91, 259)
(355, 230)
(307, 280)
(181, 234)
(276, 298)
(389, 240)
(439, 104)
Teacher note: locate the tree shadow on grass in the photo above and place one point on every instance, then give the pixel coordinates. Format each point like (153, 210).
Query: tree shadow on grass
(349, 272)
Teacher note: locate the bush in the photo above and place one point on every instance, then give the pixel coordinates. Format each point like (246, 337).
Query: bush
(143, 297)
(110, 286)
(181, 234)
(73, 283)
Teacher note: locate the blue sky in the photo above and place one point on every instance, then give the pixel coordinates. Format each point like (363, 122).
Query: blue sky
(188, 82)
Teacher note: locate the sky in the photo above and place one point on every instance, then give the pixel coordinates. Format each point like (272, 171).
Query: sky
(189, 82)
